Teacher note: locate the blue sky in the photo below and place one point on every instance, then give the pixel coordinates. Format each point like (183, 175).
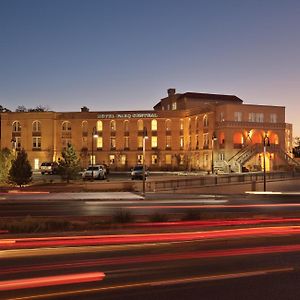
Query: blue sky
(122, 55)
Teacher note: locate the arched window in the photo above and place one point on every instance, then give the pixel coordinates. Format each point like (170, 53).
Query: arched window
(154, 125)
(36, 126)
(113, 125)
(190, 127)
(168, 125)
(99, 125)
(126, 126)
(84, 126)
(181, 124)
(205, 121)
(197, 124)
(140, 125)
(66, 126)
(16, 126)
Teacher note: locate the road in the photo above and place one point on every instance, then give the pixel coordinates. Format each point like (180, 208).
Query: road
(106, 204)
(251, 265)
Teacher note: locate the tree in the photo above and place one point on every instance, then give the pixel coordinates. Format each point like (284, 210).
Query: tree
(39, 108)
(20, 172)
(69, 164)
(296, 149)
(5, 164)
(4, 109)
(21, 108)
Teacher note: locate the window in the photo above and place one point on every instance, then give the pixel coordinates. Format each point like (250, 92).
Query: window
(205, 121)
(126, 126)
(140, 125)
(197, 124)
(237, 116)
(168, 106)
(99, 126)
(92, 159)
(126, 142)
(123, 159)
(168, 142)
(99, 142)
(84, 127)
(221, 119)
(140, 159)
(205, 160)
(168, 125)
(36, 163)
(16, 126)
(36, 126)
(18, 142)
(181, 124)
(205, 141)
(168, 159)
(140, 142)
(66, 126)
(111, 159)
(154, 125)
(154, 142)
(221, 156)
(112, 143)
(174, 105)
(197, 142)
(36, 142)
(259, 117)
(181, 159)
(65, 142)
(273, 118)
(113, 125)
(251, 117)
(190, 127)
(181, 142)
(154, 159)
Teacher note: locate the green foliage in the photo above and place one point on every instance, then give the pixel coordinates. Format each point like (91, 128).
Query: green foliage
(69, 164)
(20, 172)
(5, 164)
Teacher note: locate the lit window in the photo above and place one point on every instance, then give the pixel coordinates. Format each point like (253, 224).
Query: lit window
(140, 159)
(123, 159)
(140, 141)
(154, 125)
(126, 126)
(111, 159)
(140, 125)
(153, 159)
(99, 126)
(181, 142)
(36, 163)
(168, 125)
(92, 159)
(181, 159)
(259, 117)
(99, 142)
(174, 105)
(181, 124)
(205, 121)
(205, 141)
(154, 141)
(168, 159)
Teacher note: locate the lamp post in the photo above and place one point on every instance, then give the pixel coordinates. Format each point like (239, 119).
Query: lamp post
(266, 142)
(145, 136)
(94, 135)
(213, 139)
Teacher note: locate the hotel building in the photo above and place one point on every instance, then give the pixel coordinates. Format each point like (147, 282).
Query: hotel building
(188, 131)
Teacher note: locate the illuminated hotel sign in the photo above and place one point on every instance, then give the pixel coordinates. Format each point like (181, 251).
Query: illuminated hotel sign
(127, 116)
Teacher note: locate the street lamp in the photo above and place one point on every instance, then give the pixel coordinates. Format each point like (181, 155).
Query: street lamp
(266, 142)
(213, 139)
(145, 136)
(94, 135)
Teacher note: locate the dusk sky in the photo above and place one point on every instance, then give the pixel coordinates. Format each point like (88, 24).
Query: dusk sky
(124, 55)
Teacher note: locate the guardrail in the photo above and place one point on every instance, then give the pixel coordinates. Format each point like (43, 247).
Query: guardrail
(213, 180)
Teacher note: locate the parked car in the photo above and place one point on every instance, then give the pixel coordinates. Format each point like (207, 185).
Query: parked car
(137, 172)
(49, 168)
(94, 172)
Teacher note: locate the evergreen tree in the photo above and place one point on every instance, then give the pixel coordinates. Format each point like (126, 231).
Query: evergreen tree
(20, 172)
(6, 158)
(69, 164)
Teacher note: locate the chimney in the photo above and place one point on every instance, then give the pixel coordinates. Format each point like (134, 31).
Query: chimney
(171, 92)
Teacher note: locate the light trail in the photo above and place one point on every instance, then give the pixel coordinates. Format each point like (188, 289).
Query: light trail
(147, 238)
(29, 283)
(163, 257)
(185, 280)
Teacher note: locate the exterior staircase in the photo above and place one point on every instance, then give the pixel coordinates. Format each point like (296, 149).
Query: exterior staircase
(245, 154)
